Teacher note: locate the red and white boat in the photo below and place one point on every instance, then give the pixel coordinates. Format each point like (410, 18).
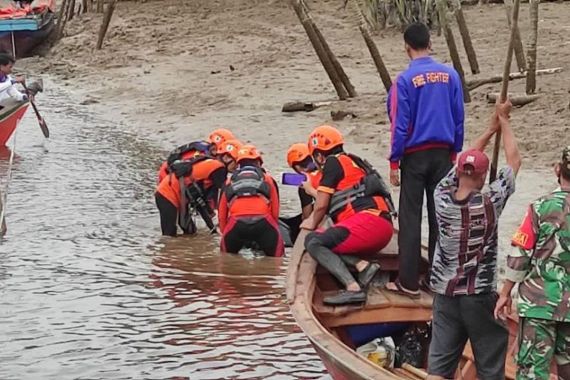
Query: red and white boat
(11, 114)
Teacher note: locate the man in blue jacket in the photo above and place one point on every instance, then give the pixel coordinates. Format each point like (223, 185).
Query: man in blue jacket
(426, 111)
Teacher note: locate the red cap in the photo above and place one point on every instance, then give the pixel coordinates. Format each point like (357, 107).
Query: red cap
(474, 160)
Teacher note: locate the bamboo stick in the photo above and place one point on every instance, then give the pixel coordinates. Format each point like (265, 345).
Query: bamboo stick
(105, 23)
(531, 48)
(323, 56)
(372, 48)
(466, 37)
(442, 12)
(505, 86)
(337, 66)
(474, 83)
(519, 50)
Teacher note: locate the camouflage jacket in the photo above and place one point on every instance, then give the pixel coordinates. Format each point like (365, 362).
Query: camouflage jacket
(541, 260)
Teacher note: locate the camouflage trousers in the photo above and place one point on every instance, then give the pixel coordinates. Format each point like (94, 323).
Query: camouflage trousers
(539, 341)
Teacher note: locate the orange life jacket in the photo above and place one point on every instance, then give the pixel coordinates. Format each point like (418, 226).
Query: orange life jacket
(164, 167)
(249, 192)
(351, 195)
(314, 177)
(169, 187)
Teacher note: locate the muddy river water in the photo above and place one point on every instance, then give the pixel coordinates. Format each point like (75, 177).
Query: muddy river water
(89, 289)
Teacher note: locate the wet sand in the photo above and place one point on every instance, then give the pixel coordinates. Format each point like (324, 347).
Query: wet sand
(174, 70)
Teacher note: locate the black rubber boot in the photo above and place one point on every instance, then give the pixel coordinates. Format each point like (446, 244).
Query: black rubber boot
(367, 275)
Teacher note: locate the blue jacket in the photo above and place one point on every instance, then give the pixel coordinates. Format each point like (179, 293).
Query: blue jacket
(426, 111)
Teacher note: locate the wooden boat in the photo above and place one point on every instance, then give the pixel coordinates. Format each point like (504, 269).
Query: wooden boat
(22, 29)
(11, 112)
(331, 330)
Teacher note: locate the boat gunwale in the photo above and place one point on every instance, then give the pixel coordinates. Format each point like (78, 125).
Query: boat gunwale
(300, 298)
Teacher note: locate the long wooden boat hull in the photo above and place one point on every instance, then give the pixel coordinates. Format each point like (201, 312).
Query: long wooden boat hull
(10, 117)
(331, 330)
(28, 33)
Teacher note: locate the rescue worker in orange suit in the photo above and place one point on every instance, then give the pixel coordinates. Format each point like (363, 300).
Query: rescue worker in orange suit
(358, 201)
(194, 149)
(300, 160)
(191, 183)
(249, 207)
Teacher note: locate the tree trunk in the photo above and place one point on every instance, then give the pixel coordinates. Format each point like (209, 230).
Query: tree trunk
(531, 50)
(372, 48)
(337, 66)
(105, 23)
(519, 50)
(471, 56)
(505, 87)
(319, 49)
(442, 11)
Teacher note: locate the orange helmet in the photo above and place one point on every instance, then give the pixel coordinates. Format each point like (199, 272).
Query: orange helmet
(324, 138)
(219, 136)
(230, 147)
(248, 152)
(297, 153)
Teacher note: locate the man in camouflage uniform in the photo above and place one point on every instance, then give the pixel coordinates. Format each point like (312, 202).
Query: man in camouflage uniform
(541, 264)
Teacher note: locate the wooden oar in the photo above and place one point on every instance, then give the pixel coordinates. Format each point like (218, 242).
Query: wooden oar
(505, 87)
(41, 121)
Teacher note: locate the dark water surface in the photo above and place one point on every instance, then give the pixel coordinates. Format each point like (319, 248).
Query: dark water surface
(89, 290)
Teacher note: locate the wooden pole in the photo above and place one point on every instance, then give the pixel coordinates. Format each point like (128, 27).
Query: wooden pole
(372, 48)
(323, 56)
(531, 48)
(519, 50)
(337, 66)
(61, 19)
(100, 5)
(466, 37)
(3, 221)
(71, 10)
(505, 86)
(105, 23)
(442, 12)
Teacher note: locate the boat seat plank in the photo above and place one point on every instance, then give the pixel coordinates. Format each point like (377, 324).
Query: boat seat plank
(377, 299)
(381, 306)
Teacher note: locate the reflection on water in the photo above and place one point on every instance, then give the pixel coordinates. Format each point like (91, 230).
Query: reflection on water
(88, 289)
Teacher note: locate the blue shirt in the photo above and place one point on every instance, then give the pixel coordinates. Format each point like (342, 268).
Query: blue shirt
(426, 109)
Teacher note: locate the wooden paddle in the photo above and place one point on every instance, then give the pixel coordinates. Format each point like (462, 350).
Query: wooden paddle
(41, 121)
(505, 87)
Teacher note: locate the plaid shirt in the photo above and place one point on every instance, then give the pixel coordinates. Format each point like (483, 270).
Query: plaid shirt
(465, 259)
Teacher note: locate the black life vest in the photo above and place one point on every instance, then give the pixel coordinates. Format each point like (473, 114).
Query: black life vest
(202, 147)
(183, 168)
(372, 184)
(247, 181)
